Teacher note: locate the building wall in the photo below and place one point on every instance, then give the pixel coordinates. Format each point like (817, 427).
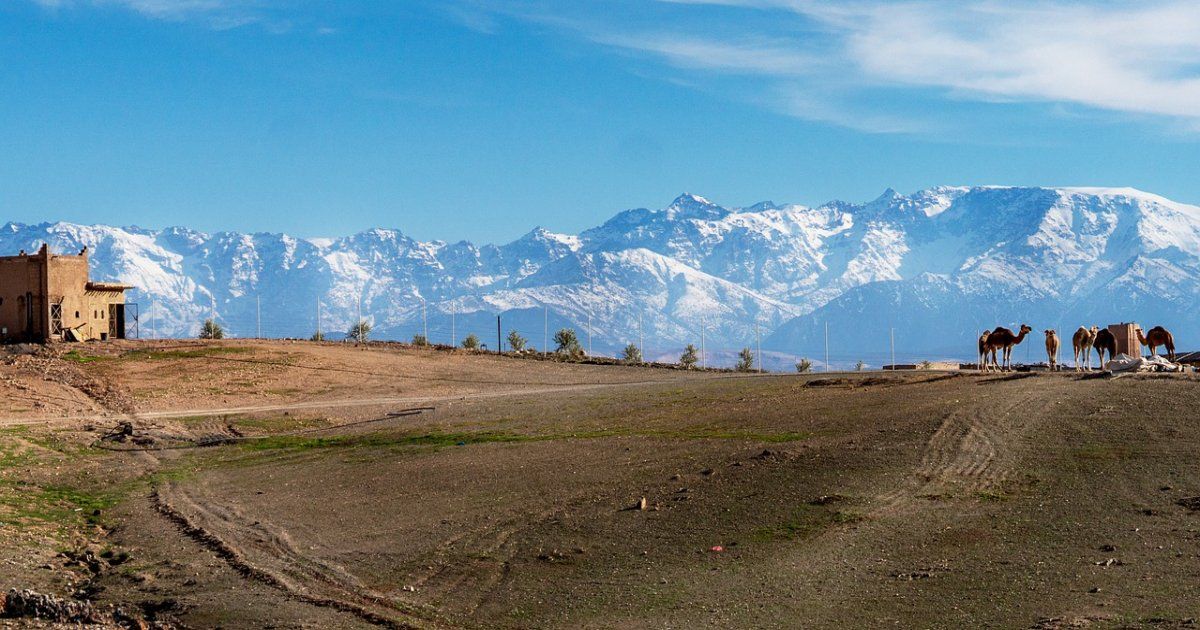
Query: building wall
(1127, 341)
(20, 277)
(52, 281)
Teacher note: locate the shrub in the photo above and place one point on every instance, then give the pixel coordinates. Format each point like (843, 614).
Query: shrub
(516, 341)
(858, 367)
(632, 354)
(745, 361)
(420, 340)
(359, 331)
(471, 342)
(568, 343)
(211, 330)
(803, 365)
(317, 336)
(689, 358)
(926, 365)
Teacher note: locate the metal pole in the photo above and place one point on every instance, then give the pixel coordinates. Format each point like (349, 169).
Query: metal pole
(424, 321)
(318, 318)
(545, 329)
(703, 348)
(758, 343)
(589, 334)
(826, 346)
(453, 332)
(641, 336)
(892, 332)
(258, 316)
(499, 348)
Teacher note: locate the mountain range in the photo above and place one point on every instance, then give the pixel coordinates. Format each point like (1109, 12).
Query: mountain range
(925, 272)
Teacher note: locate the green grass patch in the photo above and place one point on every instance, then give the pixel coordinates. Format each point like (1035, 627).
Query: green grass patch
(76, 356)
(807, 522)
(64, 506)
(191, 353)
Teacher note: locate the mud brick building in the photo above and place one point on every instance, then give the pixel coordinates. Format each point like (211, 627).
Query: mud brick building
(48, 297)
(1127, 341)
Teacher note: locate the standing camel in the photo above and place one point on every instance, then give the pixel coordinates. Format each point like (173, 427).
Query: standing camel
(1082, 341)
(983, 350)
(1105, 342)
(1003, 339)
(1158, 336)
(1052, 348)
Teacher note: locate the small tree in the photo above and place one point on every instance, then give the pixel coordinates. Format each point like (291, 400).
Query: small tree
(803, 365)
(359, 331)
(689, 358)
(632, 354)
(516, 341)
(745, 361)
(471, 342)
(568, 343)
(926, 365)
(420, 340)
(860, 366)
(211, 330)
(317, 336)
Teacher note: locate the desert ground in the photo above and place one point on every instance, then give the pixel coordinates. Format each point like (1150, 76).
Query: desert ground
(272, 484)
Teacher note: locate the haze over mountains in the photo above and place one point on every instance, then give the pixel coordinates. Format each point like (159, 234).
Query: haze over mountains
(938, 266)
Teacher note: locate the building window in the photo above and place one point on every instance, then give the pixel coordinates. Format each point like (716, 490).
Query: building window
(76, 314)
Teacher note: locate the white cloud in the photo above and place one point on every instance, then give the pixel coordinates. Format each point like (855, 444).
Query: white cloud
(217, 14)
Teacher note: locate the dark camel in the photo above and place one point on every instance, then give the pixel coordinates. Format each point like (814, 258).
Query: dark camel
(1003, 339)
(1105, 342)
(1158, 336)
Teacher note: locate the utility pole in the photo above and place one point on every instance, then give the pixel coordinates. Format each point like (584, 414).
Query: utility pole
(826, 346)
(424, 321)
(453, 332)
(892, 332)
(641, 336)
(319, 318)
(258, 316)
(545, 329)
(758, 344)
(703, 350)
(499, 348)
(589, 334)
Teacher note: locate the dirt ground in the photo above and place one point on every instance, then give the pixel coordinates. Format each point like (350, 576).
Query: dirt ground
(290, 484)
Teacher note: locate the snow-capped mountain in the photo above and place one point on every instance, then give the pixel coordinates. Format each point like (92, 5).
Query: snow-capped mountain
(935, 268)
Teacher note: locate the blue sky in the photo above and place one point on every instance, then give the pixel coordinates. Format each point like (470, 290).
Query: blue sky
(480, 119)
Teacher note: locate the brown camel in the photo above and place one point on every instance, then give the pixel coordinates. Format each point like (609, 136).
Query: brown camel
(1105, 342)
(983, 350)
(1003, 339)
(1082, 341)
(1158, 336)
(1052, 349)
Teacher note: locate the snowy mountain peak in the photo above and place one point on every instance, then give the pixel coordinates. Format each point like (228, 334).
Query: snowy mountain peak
(938, 263)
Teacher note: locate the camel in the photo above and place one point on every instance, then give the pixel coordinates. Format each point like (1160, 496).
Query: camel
(1003, 339)
(1052, 348)
(1158, 336)
(1082, 341)
(1105, 342)
(983, 350)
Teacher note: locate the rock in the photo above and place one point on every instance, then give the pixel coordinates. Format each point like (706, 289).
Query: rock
(643, 505)
(1108, 548)
(1191, 503)
(27, 603)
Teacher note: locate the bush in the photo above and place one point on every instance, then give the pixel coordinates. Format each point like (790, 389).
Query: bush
(317, 336)
(471, 342)
(516, 341)
(803, 365)
(926, 365)
(745, 361)
(420, 340)
(689, 358)
(632, 354)
(360, 331)
(568, 343)
(211, 330)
